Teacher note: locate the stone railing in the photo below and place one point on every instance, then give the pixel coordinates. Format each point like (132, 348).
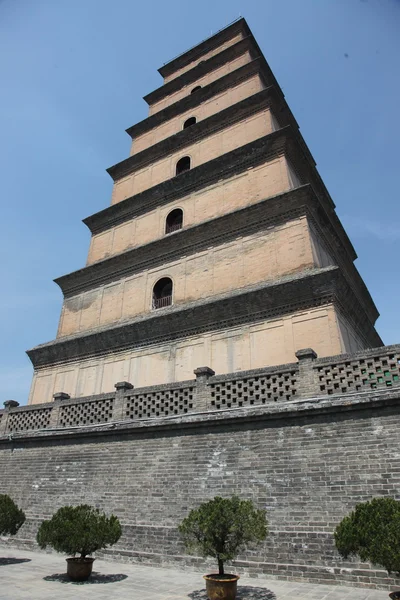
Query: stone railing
(378, 368)
(310, 377)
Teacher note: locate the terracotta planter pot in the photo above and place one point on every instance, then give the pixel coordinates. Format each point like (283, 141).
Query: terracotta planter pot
(221, 587)
(79, 569)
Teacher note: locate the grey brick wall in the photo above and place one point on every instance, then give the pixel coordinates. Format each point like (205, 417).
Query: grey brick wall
(308, 464)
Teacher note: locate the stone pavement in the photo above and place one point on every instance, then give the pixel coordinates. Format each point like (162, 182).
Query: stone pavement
(39, 576)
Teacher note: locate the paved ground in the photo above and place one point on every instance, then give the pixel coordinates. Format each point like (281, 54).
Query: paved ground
(39, 576)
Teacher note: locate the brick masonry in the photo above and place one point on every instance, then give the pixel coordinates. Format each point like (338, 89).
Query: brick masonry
(306, 461)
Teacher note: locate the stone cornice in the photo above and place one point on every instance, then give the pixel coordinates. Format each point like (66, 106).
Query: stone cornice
(212, 42)
(223, 167)
(207, 92)
(248, 44)
(190, 240)
(186, 137)
(330, 236)
(308, 173)
(301, 291)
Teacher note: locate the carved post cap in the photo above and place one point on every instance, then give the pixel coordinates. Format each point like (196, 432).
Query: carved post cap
(123, 385)
(61, 396)
(204, 372)
(11, 404)
(306, 354)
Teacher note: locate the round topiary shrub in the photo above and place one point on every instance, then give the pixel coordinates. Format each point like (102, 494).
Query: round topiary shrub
(221, 527)
(79, 530)
(372, 532)
(11, 517)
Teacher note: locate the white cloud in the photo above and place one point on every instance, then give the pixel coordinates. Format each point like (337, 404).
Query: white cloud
(364, 227)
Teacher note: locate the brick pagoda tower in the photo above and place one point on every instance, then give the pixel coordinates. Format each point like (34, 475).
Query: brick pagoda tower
(221, 246)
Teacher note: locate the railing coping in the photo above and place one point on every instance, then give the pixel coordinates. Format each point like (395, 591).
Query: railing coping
(161, 387)
(28, 407)
(274, 370)
(362, 354)
(87, 399)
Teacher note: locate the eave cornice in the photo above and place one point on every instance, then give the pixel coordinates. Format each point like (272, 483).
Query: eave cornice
(226, 310)
(184, 59)
(248, 44)
(268, 300)
(186, 137)
(193, 100)
(222, 167)
(190, 240)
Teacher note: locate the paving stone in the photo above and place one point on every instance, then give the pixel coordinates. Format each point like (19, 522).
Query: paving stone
(40, 576)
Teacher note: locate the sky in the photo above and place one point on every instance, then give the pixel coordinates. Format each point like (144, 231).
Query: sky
(72, 77)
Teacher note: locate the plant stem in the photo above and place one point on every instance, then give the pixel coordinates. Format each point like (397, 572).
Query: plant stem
(220, 566)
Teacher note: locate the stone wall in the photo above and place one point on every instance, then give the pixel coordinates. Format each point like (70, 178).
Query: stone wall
(259, 434)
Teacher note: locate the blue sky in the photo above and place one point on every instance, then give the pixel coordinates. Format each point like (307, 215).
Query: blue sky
(72, 76)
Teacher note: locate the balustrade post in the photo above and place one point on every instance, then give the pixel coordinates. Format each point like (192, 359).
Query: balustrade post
(58, 397)
(8, 405)
(121, 387)
(307, 386)
(203, 395)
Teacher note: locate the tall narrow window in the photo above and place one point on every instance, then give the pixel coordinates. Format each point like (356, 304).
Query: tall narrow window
(189, 122)
(162, 293)
(198, 87)
(183, 165)
(174, 220)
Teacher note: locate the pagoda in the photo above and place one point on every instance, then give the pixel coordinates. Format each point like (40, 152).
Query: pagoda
(221, 245)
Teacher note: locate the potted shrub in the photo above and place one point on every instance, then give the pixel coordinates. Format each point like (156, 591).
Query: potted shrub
(220, 528)
(79, 530)
(11, 517)
(372, 532)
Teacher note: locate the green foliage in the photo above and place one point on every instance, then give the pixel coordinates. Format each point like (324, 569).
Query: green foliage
(11, 517)
(221, 527)
(372, 531)
(79, 530)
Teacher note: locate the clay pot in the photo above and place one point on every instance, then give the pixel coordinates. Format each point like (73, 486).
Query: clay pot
(79, 569)
(221, 587)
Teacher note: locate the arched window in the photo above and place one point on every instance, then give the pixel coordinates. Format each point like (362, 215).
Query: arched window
(189, 122)
(183, 165)
(198, 87)
(174, 220)
(162, 293)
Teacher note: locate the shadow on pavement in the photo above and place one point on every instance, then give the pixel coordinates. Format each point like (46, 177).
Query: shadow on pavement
(94, 578)
(12, 561)
(244, 592)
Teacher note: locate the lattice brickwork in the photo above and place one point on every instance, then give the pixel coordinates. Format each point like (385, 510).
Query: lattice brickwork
(86, 413)
(29, 419)
(259, 389)
(355, 375)
(162, 403)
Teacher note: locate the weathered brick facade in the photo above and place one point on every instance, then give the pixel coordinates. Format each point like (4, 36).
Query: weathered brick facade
(307, 463)
(306, 441)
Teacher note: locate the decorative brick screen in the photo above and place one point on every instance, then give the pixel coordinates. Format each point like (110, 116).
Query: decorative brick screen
(259, 389)
(159, 403)
(29, 419)
(86, 413)
(354, 375)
